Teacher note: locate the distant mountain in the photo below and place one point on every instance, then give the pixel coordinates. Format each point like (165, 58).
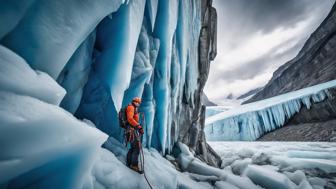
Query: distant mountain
(315, 63)
(206, 101)
(250, 93)
(230, 96)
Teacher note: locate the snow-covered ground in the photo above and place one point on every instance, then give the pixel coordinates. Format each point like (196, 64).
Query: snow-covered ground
(282, 165)
(246, 165)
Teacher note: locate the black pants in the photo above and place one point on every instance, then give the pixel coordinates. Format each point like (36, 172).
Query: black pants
(133, 152)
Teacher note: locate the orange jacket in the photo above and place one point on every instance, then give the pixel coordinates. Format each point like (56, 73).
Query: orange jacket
(132, 115)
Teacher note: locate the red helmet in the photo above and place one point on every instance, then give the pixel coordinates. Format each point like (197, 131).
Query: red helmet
(137, 100)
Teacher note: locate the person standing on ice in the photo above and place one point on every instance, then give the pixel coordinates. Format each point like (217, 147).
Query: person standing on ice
(133, 131)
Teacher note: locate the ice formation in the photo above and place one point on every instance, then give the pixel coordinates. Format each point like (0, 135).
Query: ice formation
(40, 142)
(250, 121)
(160, 46)
(153, 53)
(286, 165)
(66, 61)
(213, 110)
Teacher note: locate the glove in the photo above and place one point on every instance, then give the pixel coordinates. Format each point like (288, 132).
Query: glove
(140, 129)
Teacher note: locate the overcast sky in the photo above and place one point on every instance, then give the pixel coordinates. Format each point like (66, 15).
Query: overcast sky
(255, 37)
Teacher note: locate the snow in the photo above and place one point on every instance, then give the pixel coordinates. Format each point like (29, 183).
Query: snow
(268, 178)
(225, 185)
(110, 171)
(269, 165)
(250, 121)
(17, 76)
(42, 144)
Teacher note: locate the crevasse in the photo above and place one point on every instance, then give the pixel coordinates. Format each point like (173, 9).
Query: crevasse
(250, 121)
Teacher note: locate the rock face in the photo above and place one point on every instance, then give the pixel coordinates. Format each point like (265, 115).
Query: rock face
(192, 118)
(250, 93)
(315, 63)
(206, 101)
(320, 131)
(319, 112)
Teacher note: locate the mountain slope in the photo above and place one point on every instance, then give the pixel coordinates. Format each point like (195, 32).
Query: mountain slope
(315, 63)
(206, 101)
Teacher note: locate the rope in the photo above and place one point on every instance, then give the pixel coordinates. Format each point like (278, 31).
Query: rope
(143, 156)
(143, 167)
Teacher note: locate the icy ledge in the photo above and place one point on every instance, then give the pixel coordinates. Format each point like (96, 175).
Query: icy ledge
(250, 121)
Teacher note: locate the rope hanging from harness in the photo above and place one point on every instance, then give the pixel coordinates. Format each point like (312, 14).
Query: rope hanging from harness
(142, 154)
(142, 157)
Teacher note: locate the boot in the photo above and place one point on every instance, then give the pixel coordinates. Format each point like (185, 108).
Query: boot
(136, 169)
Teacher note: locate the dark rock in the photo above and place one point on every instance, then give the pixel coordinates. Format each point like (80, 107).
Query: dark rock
(205, 101)
(230, 96)
(191, 116)
(249, 93)
(318, 112)
(319, 131)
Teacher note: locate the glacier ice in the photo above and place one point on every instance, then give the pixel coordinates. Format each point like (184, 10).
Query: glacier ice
(86, 59)
(163, 63)
(250, 121)
(117, 51)
(268, 178)
(213, 110)
(142, 79)
(17, 76)
(164, 29)
(103, 53)
(49, 32)
(75, 74)
(11, 13)
(273, 167)
(40, 142)
(151, 7)
(51, 146)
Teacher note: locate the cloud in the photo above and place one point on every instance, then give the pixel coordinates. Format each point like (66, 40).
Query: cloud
(267, 15)
(255, 37)
(273, 58)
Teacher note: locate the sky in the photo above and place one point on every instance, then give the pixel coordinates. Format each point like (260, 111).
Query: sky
(254, 38)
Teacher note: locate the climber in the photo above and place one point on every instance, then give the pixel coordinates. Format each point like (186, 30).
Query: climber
(133, 131)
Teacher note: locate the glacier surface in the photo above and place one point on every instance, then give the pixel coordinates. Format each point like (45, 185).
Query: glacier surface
(250, 121)
(285, 165)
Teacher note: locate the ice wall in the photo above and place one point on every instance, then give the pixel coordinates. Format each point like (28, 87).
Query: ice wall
(251, 121)
(157, 60)
(67, 59)
(104, 53)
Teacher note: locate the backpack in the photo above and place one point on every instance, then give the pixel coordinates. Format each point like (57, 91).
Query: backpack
(123, 118)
